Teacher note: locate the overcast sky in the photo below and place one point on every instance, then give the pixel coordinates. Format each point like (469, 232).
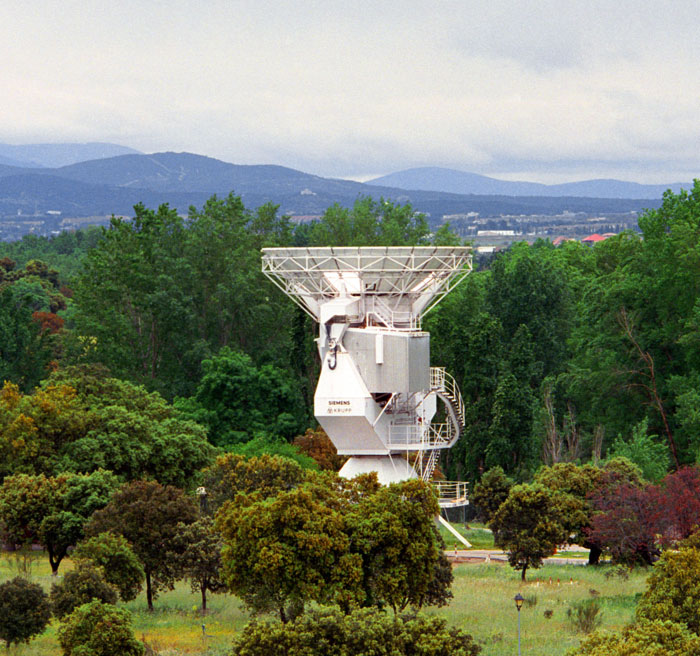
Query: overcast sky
(536, 90)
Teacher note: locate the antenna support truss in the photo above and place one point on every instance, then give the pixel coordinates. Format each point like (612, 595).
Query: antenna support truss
(409, 279)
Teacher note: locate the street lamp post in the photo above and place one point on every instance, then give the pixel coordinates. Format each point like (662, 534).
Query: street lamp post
(518, 604)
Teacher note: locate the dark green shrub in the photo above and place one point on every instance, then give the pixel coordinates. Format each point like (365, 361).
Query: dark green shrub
(326, 630)
(24, 611)
(80, 586)
(98, 629)
(119, 564)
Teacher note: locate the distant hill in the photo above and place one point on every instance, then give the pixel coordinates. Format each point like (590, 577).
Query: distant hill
(31, 193)
(461, 182)
(115, 184)
(52, 155)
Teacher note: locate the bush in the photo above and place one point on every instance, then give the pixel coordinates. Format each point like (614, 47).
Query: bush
(621, 572)
(119, 564)
(98, 629)
(673, 590)
(79, 587)
(643, 639)
(24, 611)
(326, 630)
(585, 615)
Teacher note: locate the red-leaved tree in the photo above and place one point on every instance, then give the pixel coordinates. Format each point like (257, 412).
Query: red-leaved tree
(680, 504)
(627, 522)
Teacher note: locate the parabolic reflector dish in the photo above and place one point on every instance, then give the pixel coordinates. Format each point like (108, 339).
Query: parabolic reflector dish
(413, 278)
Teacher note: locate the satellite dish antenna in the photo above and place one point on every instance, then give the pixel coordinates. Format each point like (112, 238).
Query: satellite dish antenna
(377, 393)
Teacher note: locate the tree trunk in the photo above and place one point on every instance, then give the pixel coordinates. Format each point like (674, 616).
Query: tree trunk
(594, 554)
(54, 560)
(149, 591)
(522, 577)
(203, 588)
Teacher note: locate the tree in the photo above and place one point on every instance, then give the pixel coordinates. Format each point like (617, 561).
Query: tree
(24, 351)
(402, 554)
(316, 444)
(159, 293)
(232, 474)
(626, 521)
(680, 500)
(644, 638)
(146, 513)
(326, 630)
(197, 554)
(370, 223)
(528, 287)
(80, 586)
(133, 433)
(490, 492)
(235, 399)
(24, 610)
(83, 420)
(642, 449)
(114, 557)
(672, 589)
(282, 552)
(52, 511)
(527, 526)
(98, 629)
(577, 483)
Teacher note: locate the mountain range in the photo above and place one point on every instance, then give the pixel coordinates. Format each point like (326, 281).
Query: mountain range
(52, 155)
(461, 182)
(114, 184)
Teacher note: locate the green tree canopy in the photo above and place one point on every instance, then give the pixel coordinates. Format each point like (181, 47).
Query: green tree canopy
(287, 550)
(673, 588)
(98, 629)
(393, 530)
(656, 638)
(24, 610)
(160, 293)
(112, 554)
(327, 630)
(197, 553)
(83, 420)
(53, 510)
(147, 513)
(80, 586)
(236, 399)
(528, 526)
(490, 492)
(370, 223)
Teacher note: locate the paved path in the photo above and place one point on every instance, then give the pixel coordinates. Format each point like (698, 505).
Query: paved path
(488, 555)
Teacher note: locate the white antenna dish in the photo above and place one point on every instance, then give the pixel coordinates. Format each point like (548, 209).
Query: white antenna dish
(408, 280)
(377, 394)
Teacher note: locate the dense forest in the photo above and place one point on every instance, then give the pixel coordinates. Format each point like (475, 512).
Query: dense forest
(562, 354)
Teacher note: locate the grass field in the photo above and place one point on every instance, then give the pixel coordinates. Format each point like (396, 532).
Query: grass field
(482, 605)
(477, 535)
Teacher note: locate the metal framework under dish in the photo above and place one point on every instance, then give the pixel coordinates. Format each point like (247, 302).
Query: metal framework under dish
(377, 396)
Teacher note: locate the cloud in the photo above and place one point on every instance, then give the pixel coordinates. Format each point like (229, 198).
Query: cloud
(350, 88)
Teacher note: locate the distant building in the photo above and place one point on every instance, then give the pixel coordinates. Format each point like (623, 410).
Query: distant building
(558, 241)
(593, 239)
(495, 233)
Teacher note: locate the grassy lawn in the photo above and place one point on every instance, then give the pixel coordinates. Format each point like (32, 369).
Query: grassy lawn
(477, 535)
(482, 605)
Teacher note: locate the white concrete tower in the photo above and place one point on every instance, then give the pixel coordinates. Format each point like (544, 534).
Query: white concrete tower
(377, 396)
